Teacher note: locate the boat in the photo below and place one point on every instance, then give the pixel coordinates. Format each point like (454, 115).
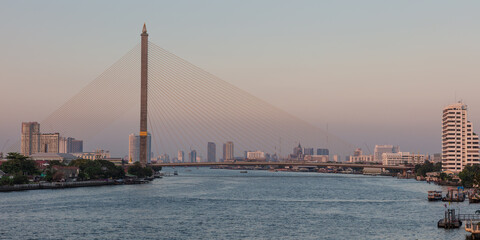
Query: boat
(473, 198)
(454, 195)
(434, 195)
(243, 172)
(175, 173)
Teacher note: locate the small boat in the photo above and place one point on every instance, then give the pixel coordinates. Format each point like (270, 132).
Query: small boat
(243, 172)
(454, 195)
(434, 195)
(473, 198)
(175, 173)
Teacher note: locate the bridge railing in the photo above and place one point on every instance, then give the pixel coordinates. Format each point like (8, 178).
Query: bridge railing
(467, 217)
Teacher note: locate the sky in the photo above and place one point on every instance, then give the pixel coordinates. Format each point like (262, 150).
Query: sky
(377, 72)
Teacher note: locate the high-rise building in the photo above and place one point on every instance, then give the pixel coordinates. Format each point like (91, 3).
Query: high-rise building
(49, 143)
(308, 151)
(134, 148)
(228, 152)
(460, 146)
(33, 141)
(65, 145)
(193, 156)
(181, 156)
(30, 138)
(77, 146)
(297, 151)
(211, 152)
(322, 151)
(381, 149)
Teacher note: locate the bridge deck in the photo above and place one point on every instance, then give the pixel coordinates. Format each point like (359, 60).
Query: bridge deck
(300, 163)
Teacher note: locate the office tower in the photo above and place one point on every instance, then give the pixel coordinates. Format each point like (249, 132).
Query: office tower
(134, 148)
(144, 149)
(459, 143)
(193, 156)
(181, 156)
(381, 149)
(211, 152)
(308, 151)
(228, 153)
(30, 138)
(65, 145)
(322, 151)
(224, 152)
(77, 146)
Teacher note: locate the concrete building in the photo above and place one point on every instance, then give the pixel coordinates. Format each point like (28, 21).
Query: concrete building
(308, 151)
(181, 156)
(70, 145)
(256, 156)
(402, 158)
(134, 148)
(192, 156)
(30, 138)
(381, 149)
(359, 157)
(33, 141)
(77, 146)
(316, 158)
(460, 146)
(98, 154)
(323, 151)
(211, 152)
(49, 143)
(436, 157)
(228, 151)
(62, 157)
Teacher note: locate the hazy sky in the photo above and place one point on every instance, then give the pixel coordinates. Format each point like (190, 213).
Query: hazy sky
(378, 72)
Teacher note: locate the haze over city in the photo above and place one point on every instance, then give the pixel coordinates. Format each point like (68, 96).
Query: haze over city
(375, 72)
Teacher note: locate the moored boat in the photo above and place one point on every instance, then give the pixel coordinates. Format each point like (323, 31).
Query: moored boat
(454, 195)
(434, 195)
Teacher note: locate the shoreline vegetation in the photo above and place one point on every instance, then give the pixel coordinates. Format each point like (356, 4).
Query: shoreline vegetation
(19, 173)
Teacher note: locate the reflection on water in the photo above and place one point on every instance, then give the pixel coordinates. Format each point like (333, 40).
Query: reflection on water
(225, 204)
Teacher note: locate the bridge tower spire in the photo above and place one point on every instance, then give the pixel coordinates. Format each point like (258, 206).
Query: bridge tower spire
(144, 97)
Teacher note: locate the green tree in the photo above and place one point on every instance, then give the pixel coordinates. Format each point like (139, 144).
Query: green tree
(18, 164)
(140, 171)
(97, 169)
(470, 175)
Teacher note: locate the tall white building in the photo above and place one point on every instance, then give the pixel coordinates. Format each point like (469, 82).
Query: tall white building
(134, 148)
(228, 152)
(459, 142)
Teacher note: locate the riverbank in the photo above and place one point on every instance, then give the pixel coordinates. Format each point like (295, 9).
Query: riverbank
(54, 185)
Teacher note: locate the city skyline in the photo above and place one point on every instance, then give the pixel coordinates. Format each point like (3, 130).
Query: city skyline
(366, 92)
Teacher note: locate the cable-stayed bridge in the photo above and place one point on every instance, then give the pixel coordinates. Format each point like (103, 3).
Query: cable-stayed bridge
(187, 108)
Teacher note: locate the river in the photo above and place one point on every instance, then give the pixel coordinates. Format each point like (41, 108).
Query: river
(226, 204)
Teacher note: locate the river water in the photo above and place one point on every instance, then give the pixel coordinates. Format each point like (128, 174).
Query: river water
(226, 204)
